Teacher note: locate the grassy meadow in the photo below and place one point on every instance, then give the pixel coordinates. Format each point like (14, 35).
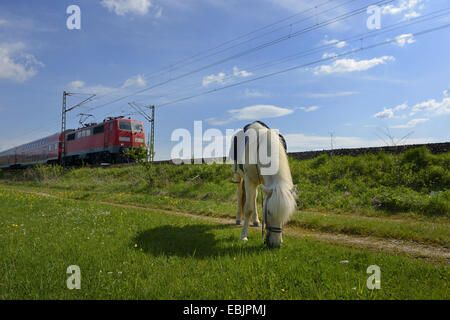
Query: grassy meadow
(143, 254)
(110, 222)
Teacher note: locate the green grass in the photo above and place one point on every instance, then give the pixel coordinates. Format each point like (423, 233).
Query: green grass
(145, 254)
(435, 231)
(384, 196)
(415, 182)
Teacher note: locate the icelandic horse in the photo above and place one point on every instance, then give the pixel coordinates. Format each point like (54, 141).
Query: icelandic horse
(279, 201)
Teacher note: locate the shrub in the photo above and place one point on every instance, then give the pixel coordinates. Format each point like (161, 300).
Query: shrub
(399, 199)
(319, 161)
(438, 204)
(358, 166)
(437, 178)
(138, 155)
(419, 158)
(403, 199)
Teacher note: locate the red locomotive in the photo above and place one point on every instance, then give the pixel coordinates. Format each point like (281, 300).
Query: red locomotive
(94, 143)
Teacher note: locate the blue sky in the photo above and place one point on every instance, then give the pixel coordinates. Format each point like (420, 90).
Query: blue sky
(362, 98)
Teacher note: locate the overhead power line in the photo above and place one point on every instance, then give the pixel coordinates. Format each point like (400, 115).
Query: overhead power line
(356, 38)
(183, 62)
(272, 31)
(246, 52)
(301, 66)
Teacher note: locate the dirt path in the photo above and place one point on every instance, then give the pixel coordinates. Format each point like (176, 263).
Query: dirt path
(412, 249)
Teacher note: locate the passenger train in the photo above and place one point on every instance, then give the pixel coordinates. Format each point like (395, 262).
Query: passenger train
(92, 144)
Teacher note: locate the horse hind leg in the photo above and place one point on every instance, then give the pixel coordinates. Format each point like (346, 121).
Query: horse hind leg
(240, 192)
(255, 211)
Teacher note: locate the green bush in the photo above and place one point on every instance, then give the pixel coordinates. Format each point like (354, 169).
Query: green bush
(319, 161)
(438, 204)
(419, 158)
(437, 178)
(138, 155)
(395, 199)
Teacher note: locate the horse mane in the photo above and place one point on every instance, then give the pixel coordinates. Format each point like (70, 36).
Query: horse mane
(254, 122)
(282, 202)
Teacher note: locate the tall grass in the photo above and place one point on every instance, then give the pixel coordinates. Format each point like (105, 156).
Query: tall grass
(415, 181)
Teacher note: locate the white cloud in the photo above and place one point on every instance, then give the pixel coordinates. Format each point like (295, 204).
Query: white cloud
(402, 106)
(403, 6)
(330, 94)
(137, 81)
(351, 65)
(388, 113)
(337, 43)
(341, 44)
(222, 77)
(391, 9)
(303, 142)
(326, 41)
(411, 124)
(80, 86)
(259, 112)
(241, 73)
(438, 107)
(75, 85)
(252, 113)
(411, 15)
(16, 64)
(403, 39)
(385, 114)
(122, 7)
(219, 78)
(309, 109)
(446, 92)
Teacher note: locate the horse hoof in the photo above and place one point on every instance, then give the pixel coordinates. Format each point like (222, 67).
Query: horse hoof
(256, 224)
(238, 222)
(245, 239)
